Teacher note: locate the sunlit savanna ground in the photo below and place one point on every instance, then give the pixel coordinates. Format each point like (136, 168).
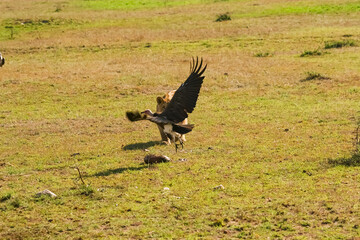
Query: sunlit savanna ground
(282, 146)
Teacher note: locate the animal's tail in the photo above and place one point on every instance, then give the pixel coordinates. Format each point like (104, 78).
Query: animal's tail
(135, 116)
(183, 128)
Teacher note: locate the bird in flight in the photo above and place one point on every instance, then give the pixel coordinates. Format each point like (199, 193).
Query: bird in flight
(182, 103)
(2, 60)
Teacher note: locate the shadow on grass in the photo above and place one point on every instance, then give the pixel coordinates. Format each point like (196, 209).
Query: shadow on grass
(353, 161)
(137, 146)
(118, 170)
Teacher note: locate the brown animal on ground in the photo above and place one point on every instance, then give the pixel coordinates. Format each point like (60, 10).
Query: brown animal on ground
(162, 103)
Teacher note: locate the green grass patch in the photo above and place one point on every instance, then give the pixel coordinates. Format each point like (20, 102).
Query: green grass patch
(218, 223)
(318, 9)
(223, 17)
(5, 197)
(86, 190)
(18, 27)
(137, 4)
(313, 76)
(340, 44)
(15, 203)
(300, 8)
(354, 159)
(308, 53)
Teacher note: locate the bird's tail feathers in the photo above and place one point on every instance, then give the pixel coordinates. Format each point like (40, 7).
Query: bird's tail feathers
(135, 116)
(183, 128)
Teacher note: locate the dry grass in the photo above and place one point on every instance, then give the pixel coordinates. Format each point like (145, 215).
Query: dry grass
(282, 148)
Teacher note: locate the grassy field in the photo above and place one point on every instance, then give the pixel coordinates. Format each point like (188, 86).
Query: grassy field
(274, 123)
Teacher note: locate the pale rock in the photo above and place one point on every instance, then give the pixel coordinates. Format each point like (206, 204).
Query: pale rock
(46, 192)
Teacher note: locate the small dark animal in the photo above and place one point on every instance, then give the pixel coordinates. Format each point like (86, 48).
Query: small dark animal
(2, 60)
(182, 103)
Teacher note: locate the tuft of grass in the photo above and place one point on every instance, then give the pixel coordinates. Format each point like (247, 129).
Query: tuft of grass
(313, 76)
(218, 223)
(5, 197)
(261, 54)
(15, 203)
(305, 224)
(223, 17)
(86, 190)
(311, 53)
(340, 44)
(58, 8)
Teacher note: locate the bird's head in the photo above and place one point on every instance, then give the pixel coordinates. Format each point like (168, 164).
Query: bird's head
(148, 112)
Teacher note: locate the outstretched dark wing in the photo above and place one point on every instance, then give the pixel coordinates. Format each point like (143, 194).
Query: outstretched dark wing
(184, 99)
